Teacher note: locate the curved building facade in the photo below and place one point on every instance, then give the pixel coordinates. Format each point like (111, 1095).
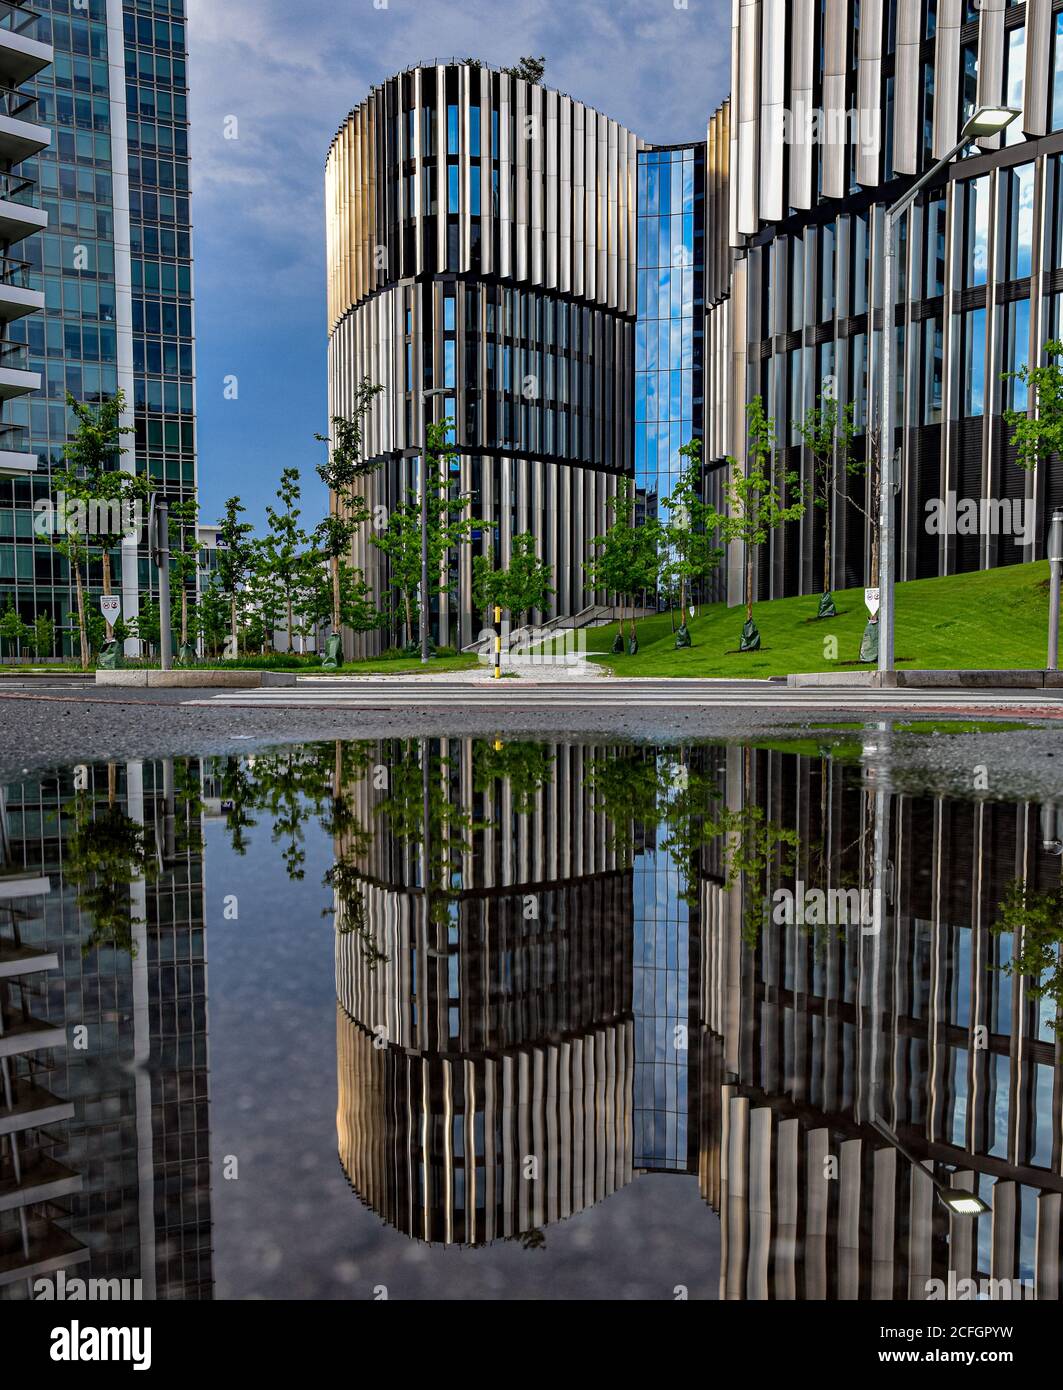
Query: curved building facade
(481, 240)
(485, 1051)
(872, 96)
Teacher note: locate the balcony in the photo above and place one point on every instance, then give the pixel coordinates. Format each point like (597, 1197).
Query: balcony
(20, 135)
(41, 1249)
(15, 460)
(18, 216)
(39, 1178)
(16, 379)
(16, 298)
(21, 55)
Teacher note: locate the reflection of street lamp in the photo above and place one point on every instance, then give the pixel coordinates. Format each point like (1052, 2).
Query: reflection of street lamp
(986, 121)
(957, 1200)
(426, 396)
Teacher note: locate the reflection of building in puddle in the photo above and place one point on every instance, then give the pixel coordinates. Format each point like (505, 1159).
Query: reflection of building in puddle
(34, 1181)
(486, 1066)
(463, 1149)
(124, 924)
(811, 1033)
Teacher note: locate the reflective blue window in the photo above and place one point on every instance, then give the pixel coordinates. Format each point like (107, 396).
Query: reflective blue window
(665, 341)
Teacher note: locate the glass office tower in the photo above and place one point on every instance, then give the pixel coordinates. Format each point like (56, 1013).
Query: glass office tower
(115, 269)
(669, 332)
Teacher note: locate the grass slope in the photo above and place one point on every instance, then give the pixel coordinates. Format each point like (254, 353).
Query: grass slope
(991, 620)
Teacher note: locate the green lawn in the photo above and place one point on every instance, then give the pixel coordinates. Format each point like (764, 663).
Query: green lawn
(995, 619)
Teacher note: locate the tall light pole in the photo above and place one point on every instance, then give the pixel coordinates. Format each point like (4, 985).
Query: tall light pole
(986, 121)
(1055, 570)
(426, 396)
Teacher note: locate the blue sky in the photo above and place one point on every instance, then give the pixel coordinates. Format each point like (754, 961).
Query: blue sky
(288, 74)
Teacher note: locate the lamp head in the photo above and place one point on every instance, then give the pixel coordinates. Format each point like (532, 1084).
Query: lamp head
(960, 1202)
(987, 121)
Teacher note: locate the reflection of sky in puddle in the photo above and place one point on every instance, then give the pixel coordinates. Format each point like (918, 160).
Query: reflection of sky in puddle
(603, 1067)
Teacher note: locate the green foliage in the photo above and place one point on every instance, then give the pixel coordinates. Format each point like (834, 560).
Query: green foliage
(524, 585)
(1039, 434)
(358, 611)
(282, 566)
(829, 433)
(689, 549)
(627, 559)
(105, 852)
(528, 69)
(210, 619)
(448, 526)
(1035, 920)
(43, 636)
(236, 559)
(755, 495)
(13, 630)
(344, 466)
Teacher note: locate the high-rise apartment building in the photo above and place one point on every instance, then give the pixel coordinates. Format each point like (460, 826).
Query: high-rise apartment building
(114, 269)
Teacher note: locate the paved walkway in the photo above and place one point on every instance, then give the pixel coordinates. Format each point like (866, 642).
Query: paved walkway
(527, 670)
(469, 690)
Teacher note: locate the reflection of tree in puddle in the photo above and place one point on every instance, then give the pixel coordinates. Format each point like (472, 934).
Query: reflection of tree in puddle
(105, 853)
(1034, 919)
(670, 791)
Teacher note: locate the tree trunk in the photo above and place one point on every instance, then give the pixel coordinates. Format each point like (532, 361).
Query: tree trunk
(107, 587)
(409, 618)
(290, 624)
(749, 583)
(82, 631)
(826, 550)
(184, 616)
(335, 563)
(682, 600)
(236, 646)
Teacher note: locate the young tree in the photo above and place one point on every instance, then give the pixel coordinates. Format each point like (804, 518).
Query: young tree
(755, 505)
(523, 586)
(448, 525)
(43, 638)
(281, 558)
(357, 610)
(341, 472)
(236, 556)
(628, 558)
(184, 562)
(92, 454)
(529, 69)
(13, 630)
(828, 433)
(1037, 432)
(690, 552)
(211, 617)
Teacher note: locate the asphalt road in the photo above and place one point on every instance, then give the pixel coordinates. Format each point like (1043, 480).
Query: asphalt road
(51, 723)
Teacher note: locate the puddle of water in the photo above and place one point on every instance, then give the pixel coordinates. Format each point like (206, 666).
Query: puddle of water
(668, 1022)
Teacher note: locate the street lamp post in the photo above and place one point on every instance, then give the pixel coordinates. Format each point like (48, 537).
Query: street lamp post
(426, 396)
(1055, 567)
(162, 556)
(986, 121)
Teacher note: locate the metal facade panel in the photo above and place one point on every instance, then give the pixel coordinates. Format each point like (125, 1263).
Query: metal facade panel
(907, 95)
(772, 109)
(947, 76)
(869, 95)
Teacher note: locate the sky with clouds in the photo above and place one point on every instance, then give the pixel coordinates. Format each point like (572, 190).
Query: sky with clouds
(289, 73)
